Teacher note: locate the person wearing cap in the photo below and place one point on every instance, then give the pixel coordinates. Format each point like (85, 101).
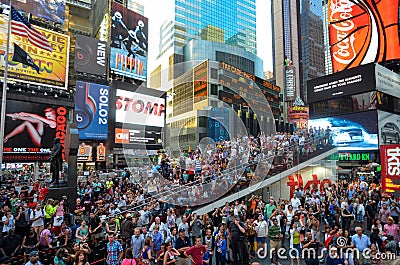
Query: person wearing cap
(34, 258)
(391, 228)
(127, 228)
(182, 244)
(238, 245)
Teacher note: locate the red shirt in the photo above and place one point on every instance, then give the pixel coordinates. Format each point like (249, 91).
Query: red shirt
(197, 254)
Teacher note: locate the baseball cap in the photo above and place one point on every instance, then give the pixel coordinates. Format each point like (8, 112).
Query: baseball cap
(128, 216)
(34, 253)
(181, 229)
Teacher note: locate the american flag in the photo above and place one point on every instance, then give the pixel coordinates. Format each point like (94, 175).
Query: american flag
(20, 26)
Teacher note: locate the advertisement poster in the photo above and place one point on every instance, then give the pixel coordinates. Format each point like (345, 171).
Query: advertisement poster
(30, 130)
(351, 132)
(101, 153)
(53, 66)
(90, 55)
(390, 161)
(389, 128)
(140, 109)
(91, 110)
(134, 136)
(51, 10)
(85, 153)
(363, 31)
(290, 83)
(129, 33)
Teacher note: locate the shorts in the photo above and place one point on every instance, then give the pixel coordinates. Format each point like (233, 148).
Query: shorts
(295, 251)
(275, 244)
(261, 239)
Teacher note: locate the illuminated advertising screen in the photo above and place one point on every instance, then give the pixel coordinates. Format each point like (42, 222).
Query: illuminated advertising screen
(139, 109)
(389, 128)
(390, 161)
(51, 10)
(91, 110)
(30, 130)
(351, 132)
(129, 33)
(363, 31)
(53, 66)
(200, 85)
(90, 55)
(290, 83)
(137, 136)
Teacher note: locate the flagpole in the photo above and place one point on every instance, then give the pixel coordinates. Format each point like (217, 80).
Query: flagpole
(4, 96)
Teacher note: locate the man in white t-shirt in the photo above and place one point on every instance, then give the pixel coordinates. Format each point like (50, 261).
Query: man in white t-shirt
(37, 218)
(295, 202)
(8, 222)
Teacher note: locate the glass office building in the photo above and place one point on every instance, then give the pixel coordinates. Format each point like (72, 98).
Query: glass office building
(226, 21)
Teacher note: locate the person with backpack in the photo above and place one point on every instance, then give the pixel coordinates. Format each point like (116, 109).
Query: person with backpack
(37, 219)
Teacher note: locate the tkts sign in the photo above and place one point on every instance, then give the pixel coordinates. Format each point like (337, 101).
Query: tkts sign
(390, 157)
(363, 31)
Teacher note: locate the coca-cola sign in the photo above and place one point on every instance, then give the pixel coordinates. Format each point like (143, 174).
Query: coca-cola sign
(363, 31)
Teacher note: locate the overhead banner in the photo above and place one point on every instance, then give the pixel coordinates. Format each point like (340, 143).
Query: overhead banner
(50, 10)
(390, 161)
(129, 33)
(30, 130)
(53, 66)
(350, 82)
(91, 110)
(363, 31)
(90, 55)
(140, 109)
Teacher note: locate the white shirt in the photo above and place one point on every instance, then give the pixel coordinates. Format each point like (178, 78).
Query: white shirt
(36, 214)
(295, 202)
(261, 228)
(10, 225)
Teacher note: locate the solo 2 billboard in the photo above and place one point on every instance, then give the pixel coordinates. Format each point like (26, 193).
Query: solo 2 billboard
(129, 31)
(30, 130)
(91, 110)
(90, 55)
(140, 109)
(363, 31)
(390, 160)
(53, 66)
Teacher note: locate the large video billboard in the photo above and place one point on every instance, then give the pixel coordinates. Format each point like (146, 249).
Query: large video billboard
(140, 109)
(351, 132)
(129, 33)
(53, 66)
(91, 110)
(51, 10)
(90, 55)
(30, 130)
(363, 31)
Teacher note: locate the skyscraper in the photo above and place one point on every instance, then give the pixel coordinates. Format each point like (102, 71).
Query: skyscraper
(233, 21)
(312, 42)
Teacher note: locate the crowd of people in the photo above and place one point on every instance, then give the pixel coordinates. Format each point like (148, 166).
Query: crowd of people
(133, 218)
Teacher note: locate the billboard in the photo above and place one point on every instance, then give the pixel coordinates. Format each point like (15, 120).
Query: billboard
(363, 31)
(85, 153)
(140, 109)
(30, 130)
(351, 132)
(290, 83)
(387, 81)
(137, 136)
(390, 161)
(350, 82)
(389, 128)
(91, 110)
(51, 10)
(53, 66)
(129, 32)
(90, 55)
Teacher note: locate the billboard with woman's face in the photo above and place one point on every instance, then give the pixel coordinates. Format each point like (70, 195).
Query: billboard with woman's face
(30, 130)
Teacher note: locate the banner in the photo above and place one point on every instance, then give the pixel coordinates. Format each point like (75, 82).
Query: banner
(390, 160)
(51, 10)
(90, 55)
(135, 108)
(389, 128)
(85, 153)
(363, 31)
(290, 83)
(129, 33)
(53, 66)
(30, 130)
(91, 110)
(133, 136)
(101, 153)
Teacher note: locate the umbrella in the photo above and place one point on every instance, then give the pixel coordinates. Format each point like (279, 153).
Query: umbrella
(373, 164)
